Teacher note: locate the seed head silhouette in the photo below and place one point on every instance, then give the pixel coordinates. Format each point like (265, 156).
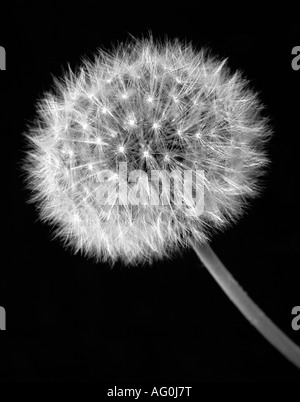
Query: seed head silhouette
(162, 106)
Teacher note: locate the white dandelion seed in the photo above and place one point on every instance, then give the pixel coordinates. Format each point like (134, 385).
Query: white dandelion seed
(208, 117)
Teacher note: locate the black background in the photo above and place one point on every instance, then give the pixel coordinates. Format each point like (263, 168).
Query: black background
(71, 319)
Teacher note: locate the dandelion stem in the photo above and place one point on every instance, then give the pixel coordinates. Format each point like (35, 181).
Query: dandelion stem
(246, 306)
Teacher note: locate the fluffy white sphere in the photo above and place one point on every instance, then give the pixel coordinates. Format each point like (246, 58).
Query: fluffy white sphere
(153, 106)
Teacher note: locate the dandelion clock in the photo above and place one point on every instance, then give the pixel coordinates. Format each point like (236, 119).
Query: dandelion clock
(148, 148)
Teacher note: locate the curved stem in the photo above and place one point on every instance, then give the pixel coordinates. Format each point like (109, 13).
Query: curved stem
(246, 306)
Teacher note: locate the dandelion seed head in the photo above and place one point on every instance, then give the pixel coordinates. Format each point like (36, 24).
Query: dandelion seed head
(183, 105)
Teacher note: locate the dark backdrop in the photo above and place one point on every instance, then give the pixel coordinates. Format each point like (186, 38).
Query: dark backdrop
(71, 319)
